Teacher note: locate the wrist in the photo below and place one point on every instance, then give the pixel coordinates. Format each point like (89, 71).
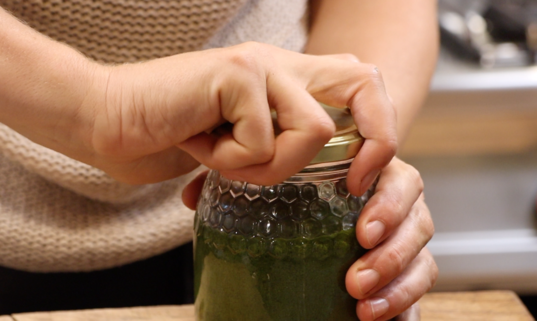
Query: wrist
(64, 104)
(92, 104)
(43, 86)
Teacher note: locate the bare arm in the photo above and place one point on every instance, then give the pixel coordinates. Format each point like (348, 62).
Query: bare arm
(400, 37)
(42, 85)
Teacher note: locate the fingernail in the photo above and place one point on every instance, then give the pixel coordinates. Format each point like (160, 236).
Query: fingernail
(368, 180)
(379, 307)
(374, 231)
(367, 279)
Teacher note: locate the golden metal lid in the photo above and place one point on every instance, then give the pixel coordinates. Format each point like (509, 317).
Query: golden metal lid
(346, 142)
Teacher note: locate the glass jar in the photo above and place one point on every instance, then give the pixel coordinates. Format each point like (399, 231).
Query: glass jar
(280, 252)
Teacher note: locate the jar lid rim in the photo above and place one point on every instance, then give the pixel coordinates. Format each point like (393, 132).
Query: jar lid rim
(346, 142)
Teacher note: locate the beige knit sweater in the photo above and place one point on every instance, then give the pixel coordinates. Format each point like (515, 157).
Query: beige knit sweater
(57, 214)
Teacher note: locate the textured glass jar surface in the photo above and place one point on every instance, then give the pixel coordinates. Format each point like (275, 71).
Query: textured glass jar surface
(275, 252)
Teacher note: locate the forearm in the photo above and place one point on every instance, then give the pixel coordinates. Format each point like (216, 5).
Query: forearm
(43, 85)
(400, 37)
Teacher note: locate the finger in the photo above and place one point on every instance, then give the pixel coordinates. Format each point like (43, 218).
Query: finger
(344, 56)
(360, 87)
(411, 314)
(401, 293)
(192, 191)
(375, 117)
(244, 104)
(397, 190)
(385, 262)
(306, 128)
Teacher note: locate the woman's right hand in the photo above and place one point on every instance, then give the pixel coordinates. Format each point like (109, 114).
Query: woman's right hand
(143, 112)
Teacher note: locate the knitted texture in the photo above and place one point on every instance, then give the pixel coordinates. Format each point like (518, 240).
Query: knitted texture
(57, 214)
(66, 172)
(118, 31)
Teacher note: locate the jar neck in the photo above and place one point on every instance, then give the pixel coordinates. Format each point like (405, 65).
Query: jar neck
(322, 172)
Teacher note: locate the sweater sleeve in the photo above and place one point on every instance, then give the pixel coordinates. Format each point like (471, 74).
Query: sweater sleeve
(68, 173)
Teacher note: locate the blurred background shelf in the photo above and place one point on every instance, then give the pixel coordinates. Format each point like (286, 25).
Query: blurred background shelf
(475, 144)
(473, 111)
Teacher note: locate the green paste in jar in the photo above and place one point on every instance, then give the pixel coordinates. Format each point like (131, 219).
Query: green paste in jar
(255, 278)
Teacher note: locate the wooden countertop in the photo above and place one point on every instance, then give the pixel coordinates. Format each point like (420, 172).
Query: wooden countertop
(473, 306)
(467, 306)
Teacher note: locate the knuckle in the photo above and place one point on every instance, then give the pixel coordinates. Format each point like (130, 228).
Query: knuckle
(426, 223)
(434, 273)
(406, 297)
(394, 208)
(396, 259)
(246, 56)
(325, 129)
(415, 177)
(429, 231)
(389, 146)
(432, 267)
(412, 176)
(429, 228)
(349, 57)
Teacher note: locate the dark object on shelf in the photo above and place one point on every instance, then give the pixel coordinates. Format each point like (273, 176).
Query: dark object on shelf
(456, 39)
(501, 33)
(507, 20)
(513, 20)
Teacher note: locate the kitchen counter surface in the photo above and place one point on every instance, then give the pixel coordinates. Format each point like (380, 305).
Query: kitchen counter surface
(443, 306)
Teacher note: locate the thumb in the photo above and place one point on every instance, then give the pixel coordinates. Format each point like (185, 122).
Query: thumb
(192, 191)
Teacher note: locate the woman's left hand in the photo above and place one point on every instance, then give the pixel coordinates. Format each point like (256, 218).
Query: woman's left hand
(395, 224)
